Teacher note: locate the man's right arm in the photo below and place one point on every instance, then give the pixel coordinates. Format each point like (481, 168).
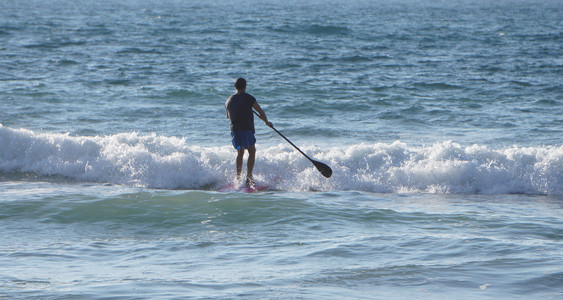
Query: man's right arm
(262, 114)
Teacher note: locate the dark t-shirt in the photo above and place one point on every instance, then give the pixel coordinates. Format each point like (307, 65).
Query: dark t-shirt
(239, 107)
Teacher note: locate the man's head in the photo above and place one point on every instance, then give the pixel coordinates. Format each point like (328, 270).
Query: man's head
(240, 84)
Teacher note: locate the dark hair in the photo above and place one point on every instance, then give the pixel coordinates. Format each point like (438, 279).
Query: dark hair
(240, 84)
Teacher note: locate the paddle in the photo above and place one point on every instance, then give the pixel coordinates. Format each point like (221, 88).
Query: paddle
(325, 170)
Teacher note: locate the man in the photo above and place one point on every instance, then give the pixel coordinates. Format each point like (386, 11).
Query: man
(239, 111)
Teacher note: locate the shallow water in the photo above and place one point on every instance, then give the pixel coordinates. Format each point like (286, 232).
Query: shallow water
(138, 243)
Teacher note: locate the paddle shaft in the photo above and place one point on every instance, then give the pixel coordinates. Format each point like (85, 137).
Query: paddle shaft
(283, 136)
(325, 170)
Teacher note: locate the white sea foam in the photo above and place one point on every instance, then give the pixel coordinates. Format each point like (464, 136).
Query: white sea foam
(172, 163)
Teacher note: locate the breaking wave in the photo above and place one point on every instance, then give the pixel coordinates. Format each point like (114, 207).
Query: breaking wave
(163, 162)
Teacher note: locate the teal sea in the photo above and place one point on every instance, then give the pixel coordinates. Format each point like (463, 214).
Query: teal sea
(441, 120)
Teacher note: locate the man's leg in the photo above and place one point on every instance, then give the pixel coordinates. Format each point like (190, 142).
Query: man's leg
(250, 163)
(240, 155)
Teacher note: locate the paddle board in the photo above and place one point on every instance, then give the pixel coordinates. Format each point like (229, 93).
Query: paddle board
(233, 187)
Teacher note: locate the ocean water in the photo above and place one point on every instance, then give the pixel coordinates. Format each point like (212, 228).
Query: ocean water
(442, 122)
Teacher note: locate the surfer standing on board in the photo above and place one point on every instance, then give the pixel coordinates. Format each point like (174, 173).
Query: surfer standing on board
(239, 111)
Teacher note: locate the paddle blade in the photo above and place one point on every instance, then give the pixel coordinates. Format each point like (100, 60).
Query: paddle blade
(325, 170)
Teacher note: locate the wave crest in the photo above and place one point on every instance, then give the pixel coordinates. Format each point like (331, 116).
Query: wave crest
(171, 163)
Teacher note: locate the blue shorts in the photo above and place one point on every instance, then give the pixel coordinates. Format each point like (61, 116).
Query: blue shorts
(243, 139)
